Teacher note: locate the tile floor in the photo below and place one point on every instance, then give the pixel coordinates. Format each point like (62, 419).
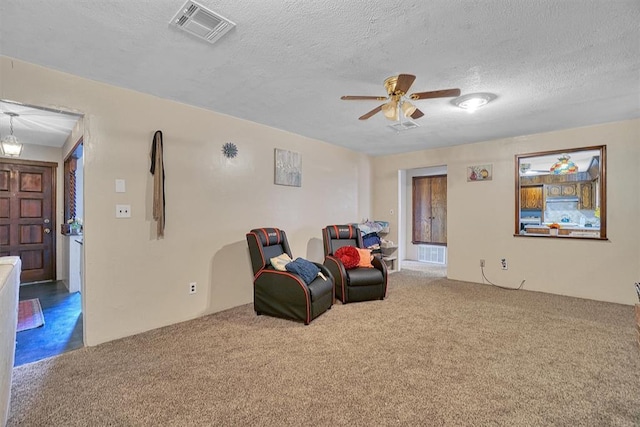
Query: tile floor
(62, 330)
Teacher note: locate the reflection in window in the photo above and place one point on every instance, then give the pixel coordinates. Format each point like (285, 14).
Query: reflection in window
(561, 193)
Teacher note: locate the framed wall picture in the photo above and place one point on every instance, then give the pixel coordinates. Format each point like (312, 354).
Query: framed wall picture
(288, 168)
(479, 173)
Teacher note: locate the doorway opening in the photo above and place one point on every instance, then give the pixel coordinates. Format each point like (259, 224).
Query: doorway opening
(422, 209)
(52, 260)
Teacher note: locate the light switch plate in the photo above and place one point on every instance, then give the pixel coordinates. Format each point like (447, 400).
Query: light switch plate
(120, 186)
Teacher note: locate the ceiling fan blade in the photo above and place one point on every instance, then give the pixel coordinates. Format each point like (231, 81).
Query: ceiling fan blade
(358, 98)
(436, 94)
(417, 114)
(371, 113)
(404, 83)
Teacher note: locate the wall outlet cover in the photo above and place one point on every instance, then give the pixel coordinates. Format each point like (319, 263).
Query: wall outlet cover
(123, 211)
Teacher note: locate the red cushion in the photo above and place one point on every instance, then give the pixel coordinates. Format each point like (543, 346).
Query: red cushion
(349, 256)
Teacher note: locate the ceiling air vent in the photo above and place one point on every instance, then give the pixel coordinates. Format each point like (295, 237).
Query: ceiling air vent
(201, 22)
(403, 126)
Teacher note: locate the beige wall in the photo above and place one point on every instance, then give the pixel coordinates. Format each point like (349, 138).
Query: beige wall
(481, 215)
(134, 282)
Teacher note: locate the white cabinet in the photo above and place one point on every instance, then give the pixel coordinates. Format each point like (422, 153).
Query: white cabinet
(75, 263)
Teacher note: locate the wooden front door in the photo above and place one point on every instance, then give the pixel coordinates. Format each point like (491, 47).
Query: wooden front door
(430, 209)
(27, 216)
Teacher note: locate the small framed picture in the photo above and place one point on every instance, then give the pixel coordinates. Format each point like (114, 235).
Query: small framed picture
(288, 168)
(479, 173)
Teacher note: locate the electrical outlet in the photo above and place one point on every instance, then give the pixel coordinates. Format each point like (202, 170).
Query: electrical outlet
(481, 263)
(123, 211)
(503, 264)
(192, 288)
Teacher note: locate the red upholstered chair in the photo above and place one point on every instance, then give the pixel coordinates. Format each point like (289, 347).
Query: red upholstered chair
(283, 293)
(357, 284)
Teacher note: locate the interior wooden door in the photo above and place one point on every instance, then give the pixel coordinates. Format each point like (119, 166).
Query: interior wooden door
(27, 223)
(430, 209)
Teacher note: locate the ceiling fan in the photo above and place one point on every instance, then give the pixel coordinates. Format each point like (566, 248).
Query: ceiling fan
(398, 100)
(525, 169)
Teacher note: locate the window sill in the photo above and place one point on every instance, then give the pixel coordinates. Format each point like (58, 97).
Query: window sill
(562, 237)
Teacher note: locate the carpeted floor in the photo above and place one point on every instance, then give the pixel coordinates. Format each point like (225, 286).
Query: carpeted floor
(434, 352)
(429, 269)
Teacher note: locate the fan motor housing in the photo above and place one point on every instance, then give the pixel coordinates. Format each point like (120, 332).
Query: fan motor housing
(390, 84)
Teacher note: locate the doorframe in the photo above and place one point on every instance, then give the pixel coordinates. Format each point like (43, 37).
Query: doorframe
(405, 179)
(54, 209)
(413, 218)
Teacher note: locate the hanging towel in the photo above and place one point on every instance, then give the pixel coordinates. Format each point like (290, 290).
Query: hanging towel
(157, 170)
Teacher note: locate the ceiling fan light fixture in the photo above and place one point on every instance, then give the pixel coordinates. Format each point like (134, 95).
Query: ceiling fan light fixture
(9, 145)
(397, 98)
(408, 109)
(472, 101)
(390, 110)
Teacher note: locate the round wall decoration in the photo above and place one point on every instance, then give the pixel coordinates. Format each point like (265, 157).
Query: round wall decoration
(230, 150)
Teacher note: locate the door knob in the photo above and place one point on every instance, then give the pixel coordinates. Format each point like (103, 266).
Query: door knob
(46, 221)
(47, 230)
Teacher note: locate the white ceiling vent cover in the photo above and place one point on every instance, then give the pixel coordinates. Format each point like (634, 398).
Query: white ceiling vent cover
(201, 22)
(404, 126)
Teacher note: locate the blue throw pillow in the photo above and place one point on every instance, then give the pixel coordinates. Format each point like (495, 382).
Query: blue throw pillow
(303, 268)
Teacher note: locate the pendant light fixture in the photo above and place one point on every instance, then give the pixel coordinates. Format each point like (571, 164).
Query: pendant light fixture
(9, 145)
(564, 166)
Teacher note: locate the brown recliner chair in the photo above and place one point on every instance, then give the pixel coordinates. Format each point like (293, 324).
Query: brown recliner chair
(357, 284)
(283, 293)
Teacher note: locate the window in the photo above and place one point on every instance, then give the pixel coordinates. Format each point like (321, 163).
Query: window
(73, 192)
(561, 194)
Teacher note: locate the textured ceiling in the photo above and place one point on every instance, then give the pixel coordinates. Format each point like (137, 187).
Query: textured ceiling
(552, 64)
